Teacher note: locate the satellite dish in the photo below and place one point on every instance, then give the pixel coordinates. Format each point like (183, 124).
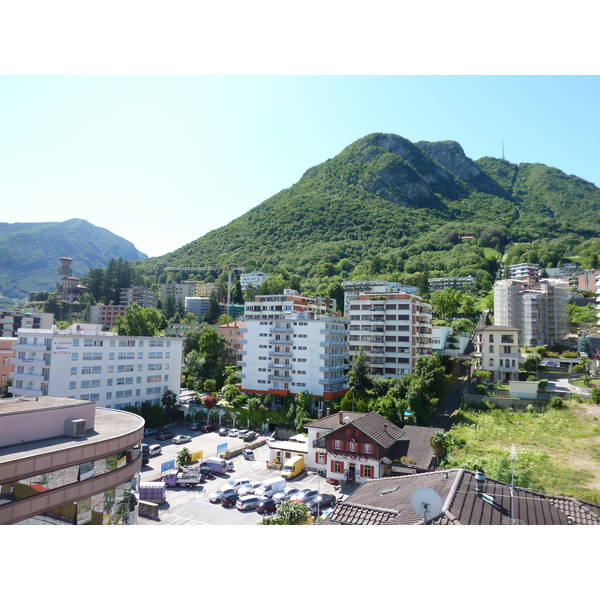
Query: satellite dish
(427, 503)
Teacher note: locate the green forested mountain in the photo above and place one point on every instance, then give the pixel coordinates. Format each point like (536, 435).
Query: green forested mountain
(29, 253)
(385, 207)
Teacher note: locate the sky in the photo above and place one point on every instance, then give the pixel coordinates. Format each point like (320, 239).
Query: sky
(162, 160)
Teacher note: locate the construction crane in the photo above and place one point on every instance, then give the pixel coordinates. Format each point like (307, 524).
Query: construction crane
(230, 269)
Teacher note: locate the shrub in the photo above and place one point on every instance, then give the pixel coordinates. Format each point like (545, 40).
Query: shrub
(481, 389)
(543, 384)
(532, 378)
(530, 408)
(595, 395)
(556, 403)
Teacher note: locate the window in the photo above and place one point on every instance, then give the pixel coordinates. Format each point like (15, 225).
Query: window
(124, 394)
(321, 459)
(90, 342)
(338, 466)
(491, 340)
(124, 368)
(72, 385)
(352, 447)
(73, 370)
(491, 349)
(126, 342)
(90, 370)
(368, 471)
(92, 356)
(90, 383)
(491, 362)
(124, 380)
(153, 378)
(367, 448)
(337, 444)
(75, 356)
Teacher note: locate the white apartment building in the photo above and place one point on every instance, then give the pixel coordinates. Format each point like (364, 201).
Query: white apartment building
(497, 347)
(139, 295)
(254, 278)
(178, 290)
(290, 345)
(13, 319)
(393, 330)
(437, 284)
(524, 271)
(86, 363)
(540, 311)
(353, 288)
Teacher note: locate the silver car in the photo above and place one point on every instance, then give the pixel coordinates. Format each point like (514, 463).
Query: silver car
(247, 503)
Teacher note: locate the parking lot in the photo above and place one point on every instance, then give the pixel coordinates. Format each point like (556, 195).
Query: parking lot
(190, 506)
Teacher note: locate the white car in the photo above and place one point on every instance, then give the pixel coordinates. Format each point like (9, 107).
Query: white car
(236, 484)
(270, 441)
(232, 433)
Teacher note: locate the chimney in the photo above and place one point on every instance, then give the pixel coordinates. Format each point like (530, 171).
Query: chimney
(480, 481)
(319, 414)
(385, 428)
(327, 411)
(341, 417)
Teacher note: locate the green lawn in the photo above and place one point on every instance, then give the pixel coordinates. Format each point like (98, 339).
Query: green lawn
(580, 383)
(557, 451)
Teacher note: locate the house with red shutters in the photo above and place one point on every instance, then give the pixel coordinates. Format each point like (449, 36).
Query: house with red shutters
(361, 446)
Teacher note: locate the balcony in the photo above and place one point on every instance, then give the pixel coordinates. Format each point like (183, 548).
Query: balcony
(280, 329)
(330, 344)
(30, 377)
(333, 381)
(279, 353)
(30, 362)
(279, 377)
(344, 356)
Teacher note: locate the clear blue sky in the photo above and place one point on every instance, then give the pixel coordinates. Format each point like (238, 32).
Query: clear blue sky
(163, 160)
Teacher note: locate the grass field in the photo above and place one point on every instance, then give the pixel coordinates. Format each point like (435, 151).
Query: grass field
(557, 451)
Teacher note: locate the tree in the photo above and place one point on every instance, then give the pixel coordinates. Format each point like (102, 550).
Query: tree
(595, 395)
(288, 513)
(584, 345)
(139, 321)
(446, 302)
(184, 458)
(169, 402)
(359, 375)
(531, 362)
(439, 444)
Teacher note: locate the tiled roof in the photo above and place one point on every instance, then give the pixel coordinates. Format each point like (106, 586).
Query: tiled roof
(415, 445)
(332, 421)
(373, 425)
(387, 501)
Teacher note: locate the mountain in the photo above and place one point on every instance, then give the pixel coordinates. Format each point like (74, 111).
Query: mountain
(30, 252)
(387, 207)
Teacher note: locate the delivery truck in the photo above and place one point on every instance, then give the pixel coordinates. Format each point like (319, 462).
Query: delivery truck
(219, 465)
(293, 467)
(182, 479)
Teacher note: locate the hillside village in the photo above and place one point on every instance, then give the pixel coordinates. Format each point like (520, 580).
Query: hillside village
(368, 386)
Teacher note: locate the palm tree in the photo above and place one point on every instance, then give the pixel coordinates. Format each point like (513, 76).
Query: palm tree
(439, 444)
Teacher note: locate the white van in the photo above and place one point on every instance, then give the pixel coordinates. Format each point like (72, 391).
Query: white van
(271, 486)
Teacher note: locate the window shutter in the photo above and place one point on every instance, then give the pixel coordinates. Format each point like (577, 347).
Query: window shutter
(333, 465)
(317, 457)
(362, 470)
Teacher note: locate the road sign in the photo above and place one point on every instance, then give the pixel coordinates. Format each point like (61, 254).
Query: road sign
(222, 447)
(167, 466)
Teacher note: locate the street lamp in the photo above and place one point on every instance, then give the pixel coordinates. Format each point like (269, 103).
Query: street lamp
(318, 492)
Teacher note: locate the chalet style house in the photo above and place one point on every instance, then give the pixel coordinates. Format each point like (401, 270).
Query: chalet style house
(360, 446)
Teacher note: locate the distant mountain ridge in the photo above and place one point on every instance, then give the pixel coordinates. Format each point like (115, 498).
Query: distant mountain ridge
(402, 205)
(30, 252)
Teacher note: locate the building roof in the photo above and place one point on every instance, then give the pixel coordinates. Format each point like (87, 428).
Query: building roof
(386, 501)
(332, 421)
(415, 445)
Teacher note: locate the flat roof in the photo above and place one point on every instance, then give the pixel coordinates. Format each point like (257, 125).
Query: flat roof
(15, 405)
(109, 423)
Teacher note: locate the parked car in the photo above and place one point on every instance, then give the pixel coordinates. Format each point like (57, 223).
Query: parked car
(285, 495)
(220, 494)
(164, 435)
(247, 502)
(550, 363)
(250, 436)
(303, 495)
(223, 430)
(232, 433)
(207, 428)
(182, 439)
(235, 484)
(249, 488)
(195, 426)
(242, 432)
(155, 449)
(266, 506)
(248, 454)
(317, 503)
(270, 441)
(230, 500)
(149, 432)
(207, 471)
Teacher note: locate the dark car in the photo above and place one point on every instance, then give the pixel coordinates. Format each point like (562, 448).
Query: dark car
(230, 500)
(266, 506)
(248, 454)
(149, 432)
(224, 431)
(303, 495)
(206, 428)
(317, 503)
(207, 471)
(164, 435)
(286, 495)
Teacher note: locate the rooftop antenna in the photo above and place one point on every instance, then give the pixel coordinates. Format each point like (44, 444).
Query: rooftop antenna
(426, 503)
(513, 455)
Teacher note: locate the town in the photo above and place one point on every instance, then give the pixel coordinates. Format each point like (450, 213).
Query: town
(233, 401)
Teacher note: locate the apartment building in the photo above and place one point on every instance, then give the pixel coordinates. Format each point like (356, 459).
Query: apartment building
(232, 333)
(393, 329)
(497, 348)
(140, 295)
(11, 320)
(254, 278)
(353, 288)
(66, 462)
(6, 355)
(105, 315)
(540, 310)
(437, 284)
(87, 363)
(290, 345)
(198, 306)
(529, 271)
(178, 290)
